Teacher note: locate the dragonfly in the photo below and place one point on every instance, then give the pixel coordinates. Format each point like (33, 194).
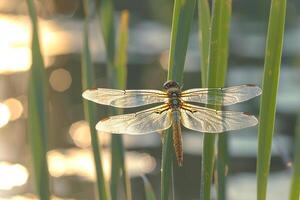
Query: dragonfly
(175, 107)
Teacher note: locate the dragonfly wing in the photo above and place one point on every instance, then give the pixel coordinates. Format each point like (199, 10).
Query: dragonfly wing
(143, 122)
(124, 98)
(221, 96)
(212, 121)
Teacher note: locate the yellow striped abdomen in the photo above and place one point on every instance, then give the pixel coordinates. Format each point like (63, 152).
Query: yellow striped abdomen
(177, 139)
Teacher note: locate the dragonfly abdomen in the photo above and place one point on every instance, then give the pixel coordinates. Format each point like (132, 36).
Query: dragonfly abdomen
(177, 139)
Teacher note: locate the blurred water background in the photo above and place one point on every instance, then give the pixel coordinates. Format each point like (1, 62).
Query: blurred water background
(70, 157)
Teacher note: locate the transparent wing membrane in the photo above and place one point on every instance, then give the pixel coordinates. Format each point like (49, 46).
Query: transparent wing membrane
(221, 96)
(125, 98)
(143, 122)
(212, 121)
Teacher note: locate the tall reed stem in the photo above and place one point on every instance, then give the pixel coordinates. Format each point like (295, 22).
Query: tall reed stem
(116, 59)
(87, 76)
(217, 52)
(269, 94)
(181, 24)
(38, 110)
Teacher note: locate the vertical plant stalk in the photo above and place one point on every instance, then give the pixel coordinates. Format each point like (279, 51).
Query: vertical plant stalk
(106, 16)
(269, 94)
(37, 111)
(204, 37)
(222, 166)
(116, 75)
(121, 79)
(222, 143)
(295, 183)
(217, 68)
(89, 107)
(181, 24)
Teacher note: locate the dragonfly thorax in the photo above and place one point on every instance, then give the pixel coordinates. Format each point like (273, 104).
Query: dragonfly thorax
(174, 92)
(175, 102)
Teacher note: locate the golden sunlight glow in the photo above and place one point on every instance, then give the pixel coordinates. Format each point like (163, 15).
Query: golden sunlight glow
(139, 163)
(15, 107)
(15, 42)
(80, 134)
(60, 80)
(14, 59)
(14, 45)
(4, 115)
(30, 196)
(57, 163)
(21, 197)
(80, 162)
(12, 175)
(71, 162)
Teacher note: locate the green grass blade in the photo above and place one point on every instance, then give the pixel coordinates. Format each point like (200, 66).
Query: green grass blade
(37, 111)
(218, 54)
(121, 78)
(181, 24)
(182, 19)
(204, 38)
(106, 15)
(166, 164)
(268, 98)
(222, 143)
(295, 184)
(149, 192)
(204, 34)
(90, 108)
(117, 76)
(121, 52)
(117, 153)
(221, 166)
(217, 68)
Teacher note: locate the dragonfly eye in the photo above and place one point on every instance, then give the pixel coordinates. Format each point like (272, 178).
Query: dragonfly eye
(171, 84)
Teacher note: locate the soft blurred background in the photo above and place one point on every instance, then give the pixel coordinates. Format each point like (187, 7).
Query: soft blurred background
(70, 157)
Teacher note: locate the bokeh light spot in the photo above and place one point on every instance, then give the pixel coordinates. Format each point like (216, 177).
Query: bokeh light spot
(80, 134)
(79, 162)
(60, 80)
(15, 107)
(164, 59)
(12, 175)
(14, 59)
(4, 114)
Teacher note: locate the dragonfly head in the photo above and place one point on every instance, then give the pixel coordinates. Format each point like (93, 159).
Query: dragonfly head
(171, 84)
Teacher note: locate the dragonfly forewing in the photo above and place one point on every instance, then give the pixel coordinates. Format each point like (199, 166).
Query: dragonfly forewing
(125, 98)
(221, 96)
